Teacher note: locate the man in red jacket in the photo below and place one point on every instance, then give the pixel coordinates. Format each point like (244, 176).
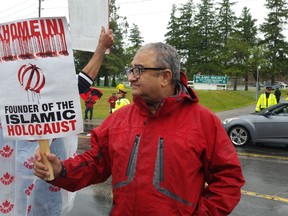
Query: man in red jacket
(167, 154)
(89, 104)
(111, 100)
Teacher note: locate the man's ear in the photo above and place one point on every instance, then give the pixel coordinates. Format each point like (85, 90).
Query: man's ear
(166, 77)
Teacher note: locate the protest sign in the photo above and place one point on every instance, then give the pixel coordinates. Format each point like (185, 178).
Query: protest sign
(39, 97)
(86, 19)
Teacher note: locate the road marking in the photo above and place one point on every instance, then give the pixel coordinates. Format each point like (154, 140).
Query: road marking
(265, 196)
(261, 156)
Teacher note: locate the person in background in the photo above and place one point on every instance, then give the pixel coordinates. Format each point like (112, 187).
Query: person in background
(277, 94)
(111, 100)
(22, 193)
(266, 100)
(89, 104)
(121, 100)
(287, 97)
(166, 153)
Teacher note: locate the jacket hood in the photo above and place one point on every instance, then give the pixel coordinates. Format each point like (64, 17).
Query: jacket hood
(184, 84)
(184, 94)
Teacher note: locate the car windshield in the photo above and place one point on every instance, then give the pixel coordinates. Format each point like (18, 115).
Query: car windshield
(278, 109)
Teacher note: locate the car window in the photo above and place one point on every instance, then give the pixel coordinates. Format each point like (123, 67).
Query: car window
(283, 110)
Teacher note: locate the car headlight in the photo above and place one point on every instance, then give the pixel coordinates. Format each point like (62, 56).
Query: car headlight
(226, 121)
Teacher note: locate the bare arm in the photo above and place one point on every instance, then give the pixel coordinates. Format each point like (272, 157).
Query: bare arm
(105, 42)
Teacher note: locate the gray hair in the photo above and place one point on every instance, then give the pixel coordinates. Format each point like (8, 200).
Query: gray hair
(166, 57)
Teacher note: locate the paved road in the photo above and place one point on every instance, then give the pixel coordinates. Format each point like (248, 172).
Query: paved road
(236, 112)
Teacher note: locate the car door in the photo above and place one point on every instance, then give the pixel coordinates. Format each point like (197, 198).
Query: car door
(273, 127)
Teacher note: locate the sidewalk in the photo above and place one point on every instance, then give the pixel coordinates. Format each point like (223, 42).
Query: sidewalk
(236, 112)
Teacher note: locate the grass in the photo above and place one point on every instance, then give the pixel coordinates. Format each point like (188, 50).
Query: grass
(215, 100)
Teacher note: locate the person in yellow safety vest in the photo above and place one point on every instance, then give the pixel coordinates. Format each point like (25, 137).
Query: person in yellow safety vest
(266, 99)
(121, 101)
(287, 97)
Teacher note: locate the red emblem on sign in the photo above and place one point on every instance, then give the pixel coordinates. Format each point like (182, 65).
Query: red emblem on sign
(32, 80)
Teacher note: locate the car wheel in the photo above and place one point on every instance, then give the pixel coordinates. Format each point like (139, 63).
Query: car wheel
(239, 136)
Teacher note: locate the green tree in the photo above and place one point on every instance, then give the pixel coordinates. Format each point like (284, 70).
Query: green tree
(258, 59)
(174, 33)
(206, 38)
(226, 21)
(135, 41)
(225, 27)
(236, 54)
(80, 59)
(114, 63)
(244, 38)
(188, 37)
(274, 40)
(180, 34)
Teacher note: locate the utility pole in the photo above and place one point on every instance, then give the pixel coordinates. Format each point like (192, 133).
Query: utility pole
(39, 10)
(257, 81)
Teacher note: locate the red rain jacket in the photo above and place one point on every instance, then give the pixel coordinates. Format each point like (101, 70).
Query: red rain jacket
(160, 162)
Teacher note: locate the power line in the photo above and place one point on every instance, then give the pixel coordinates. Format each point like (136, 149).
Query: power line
(26, 8)
(20, 10)
(148, 13)
(54, 8)
(13, 7)
(28, 15)
(133, 2)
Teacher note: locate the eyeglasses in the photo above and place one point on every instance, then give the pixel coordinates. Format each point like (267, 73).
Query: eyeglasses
(136, 71)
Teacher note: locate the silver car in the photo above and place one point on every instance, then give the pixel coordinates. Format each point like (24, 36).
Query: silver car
(267, 126)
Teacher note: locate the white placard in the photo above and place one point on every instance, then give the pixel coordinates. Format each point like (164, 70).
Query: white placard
(39, 97)
(86, 19)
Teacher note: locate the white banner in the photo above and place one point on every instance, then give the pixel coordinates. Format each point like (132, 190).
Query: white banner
(21, 192)
(39, 97)
(86, 18)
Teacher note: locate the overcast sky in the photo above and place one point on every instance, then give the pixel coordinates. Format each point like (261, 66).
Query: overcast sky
(151, 16)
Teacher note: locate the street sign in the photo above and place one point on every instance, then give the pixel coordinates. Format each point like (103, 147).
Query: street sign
(210, 79)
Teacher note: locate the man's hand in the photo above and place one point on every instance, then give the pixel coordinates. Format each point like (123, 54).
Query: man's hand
(105, 42)
(105, 39)
(41, 170)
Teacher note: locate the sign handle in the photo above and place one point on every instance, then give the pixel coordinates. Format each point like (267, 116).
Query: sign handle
(45, 149)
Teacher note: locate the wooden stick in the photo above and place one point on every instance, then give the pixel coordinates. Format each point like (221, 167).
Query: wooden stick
(45, 149)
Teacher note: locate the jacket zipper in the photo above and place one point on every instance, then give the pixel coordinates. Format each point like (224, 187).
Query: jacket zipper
(136, 142)
(161, 160)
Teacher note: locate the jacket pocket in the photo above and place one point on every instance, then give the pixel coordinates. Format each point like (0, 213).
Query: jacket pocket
(159, 180)
(131, 166)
